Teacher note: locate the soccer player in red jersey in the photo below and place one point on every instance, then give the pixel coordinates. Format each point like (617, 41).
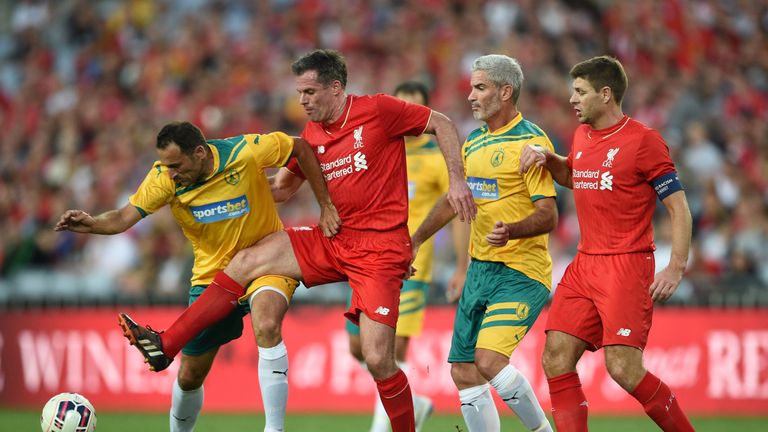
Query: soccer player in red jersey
(617, 168)
(359, 143)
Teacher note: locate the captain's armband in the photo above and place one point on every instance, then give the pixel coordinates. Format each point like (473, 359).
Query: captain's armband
(667, 184)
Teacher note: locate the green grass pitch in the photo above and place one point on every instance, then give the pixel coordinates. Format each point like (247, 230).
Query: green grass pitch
(13, 420)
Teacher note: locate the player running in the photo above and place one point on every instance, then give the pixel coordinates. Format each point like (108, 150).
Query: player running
(509, 278)
(617, 168)
(359, 143)
(427, 183)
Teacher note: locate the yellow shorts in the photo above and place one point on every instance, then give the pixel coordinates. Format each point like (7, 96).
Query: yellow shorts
(280, 284)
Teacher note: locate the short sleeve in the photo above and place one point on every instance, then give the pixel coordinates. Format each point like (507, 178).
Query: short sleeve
(155, 191)
(270, 150)
(569, 159)
(401, 118)
(293, 166)
(653, 158)
(538, 179)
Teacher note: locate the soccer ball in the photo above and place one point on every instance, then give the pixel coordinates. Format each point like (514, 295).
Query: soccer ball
(68, 412)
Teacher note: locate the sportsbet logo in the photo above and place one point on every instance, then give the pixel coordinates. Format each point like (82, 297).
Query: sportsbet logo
(218, 211)
(483, 188)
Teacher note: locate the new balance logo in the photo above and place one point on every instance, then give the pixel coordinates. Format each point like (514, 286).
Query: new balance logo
(360, 162)
(381, 310)
(623, 332)
(606, 181)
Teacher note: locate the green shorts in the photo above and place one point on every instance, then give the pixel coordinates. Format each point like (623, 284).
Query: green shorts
(228, 329)
(497, 308)
(410, 320)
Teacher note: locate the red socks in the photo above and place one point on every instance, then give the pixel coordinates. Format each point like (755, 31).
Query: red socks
(214, 304)
(396, 397)
(661, 405)
(569, 405)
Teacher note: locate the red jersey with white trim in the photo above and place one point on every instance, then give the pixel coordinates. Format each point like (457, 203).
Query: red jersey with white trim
(612, 173)
(362, 156)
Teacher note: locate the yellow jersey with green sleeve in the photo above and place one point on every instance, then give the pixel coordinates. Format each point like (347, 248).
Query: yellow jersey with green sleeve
(492, 165)
(427, 182)
(230, 210)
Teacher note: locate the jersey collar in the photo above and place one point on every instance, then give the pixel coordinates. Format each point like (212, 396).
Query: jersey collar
(507, 127)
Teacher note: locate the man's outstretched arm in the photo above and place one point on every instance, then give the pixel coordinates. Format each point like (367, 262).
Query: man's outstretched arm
(110, 222)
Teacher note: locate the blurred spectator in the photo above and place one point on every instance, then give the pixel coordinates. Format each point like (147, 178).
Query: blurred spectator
(85, 85)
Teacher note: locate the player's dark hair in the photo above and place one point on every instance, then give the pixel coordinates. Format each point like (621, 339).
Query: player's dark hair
(413, 87)
(186, 135)
(603, 71)
(329, 65)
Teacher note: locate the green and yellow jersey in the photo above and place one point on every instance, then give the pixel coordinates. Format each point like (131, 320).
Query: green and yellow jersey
(492, 164)
(230, 210)
(427, 182)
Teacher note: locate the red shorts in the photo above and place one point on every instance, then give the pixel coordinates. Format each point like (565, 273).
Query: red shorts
(604, 300)
(375, 264)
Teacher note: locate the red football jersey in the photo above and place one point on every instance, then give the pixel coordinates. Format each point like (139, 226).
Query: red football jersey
(362, 156)
(612, 173)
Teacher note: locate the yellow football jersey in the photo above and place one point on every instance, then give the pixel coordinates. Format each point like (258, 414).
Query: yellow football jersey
(492, 164)
(427, 182)
(231, 210)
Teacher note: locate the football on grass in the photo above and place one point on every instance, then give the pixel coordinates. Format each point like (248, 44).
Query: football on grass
(68, 412)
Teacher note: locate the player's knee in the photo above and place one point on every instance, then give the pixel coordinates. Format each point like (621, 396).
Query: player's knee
(462, 375)
(486, 368)
(379, 364)
(267, 329)
(554, 363)
(626, 374)
(190, 379)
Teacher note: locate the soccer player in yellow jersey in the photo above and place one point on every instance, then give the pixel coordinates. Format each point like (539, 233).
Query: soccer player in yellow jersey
(510, 275)
(221, 198)
(427, 183)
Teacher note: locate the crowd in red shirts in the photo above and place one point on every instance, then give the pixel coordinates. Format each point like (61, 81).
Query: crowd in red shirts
(85, 86)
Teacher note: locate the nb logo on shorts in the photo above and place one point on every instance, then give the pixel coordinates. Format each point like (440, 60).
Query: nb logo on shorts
(381, 310)
(623, 332)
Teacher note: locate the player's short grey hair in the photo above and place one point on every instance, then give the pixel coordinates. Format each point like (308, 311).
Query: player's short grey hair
(502, 70)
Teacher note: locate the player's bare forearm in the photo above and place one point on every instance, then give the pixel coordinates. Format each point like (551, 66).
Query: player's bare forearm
(329, 217)
(666, 281)
(448, 140)
(541, 221)
(110, 222)
(459, 196)
(680, 215)
(460, 231)
(284, 184)
(534, 155)
(558, 167)
(438, 217)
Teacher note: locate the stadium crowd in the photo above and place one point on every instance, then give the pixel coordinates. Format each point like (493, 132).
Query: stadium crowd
(85, 86)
